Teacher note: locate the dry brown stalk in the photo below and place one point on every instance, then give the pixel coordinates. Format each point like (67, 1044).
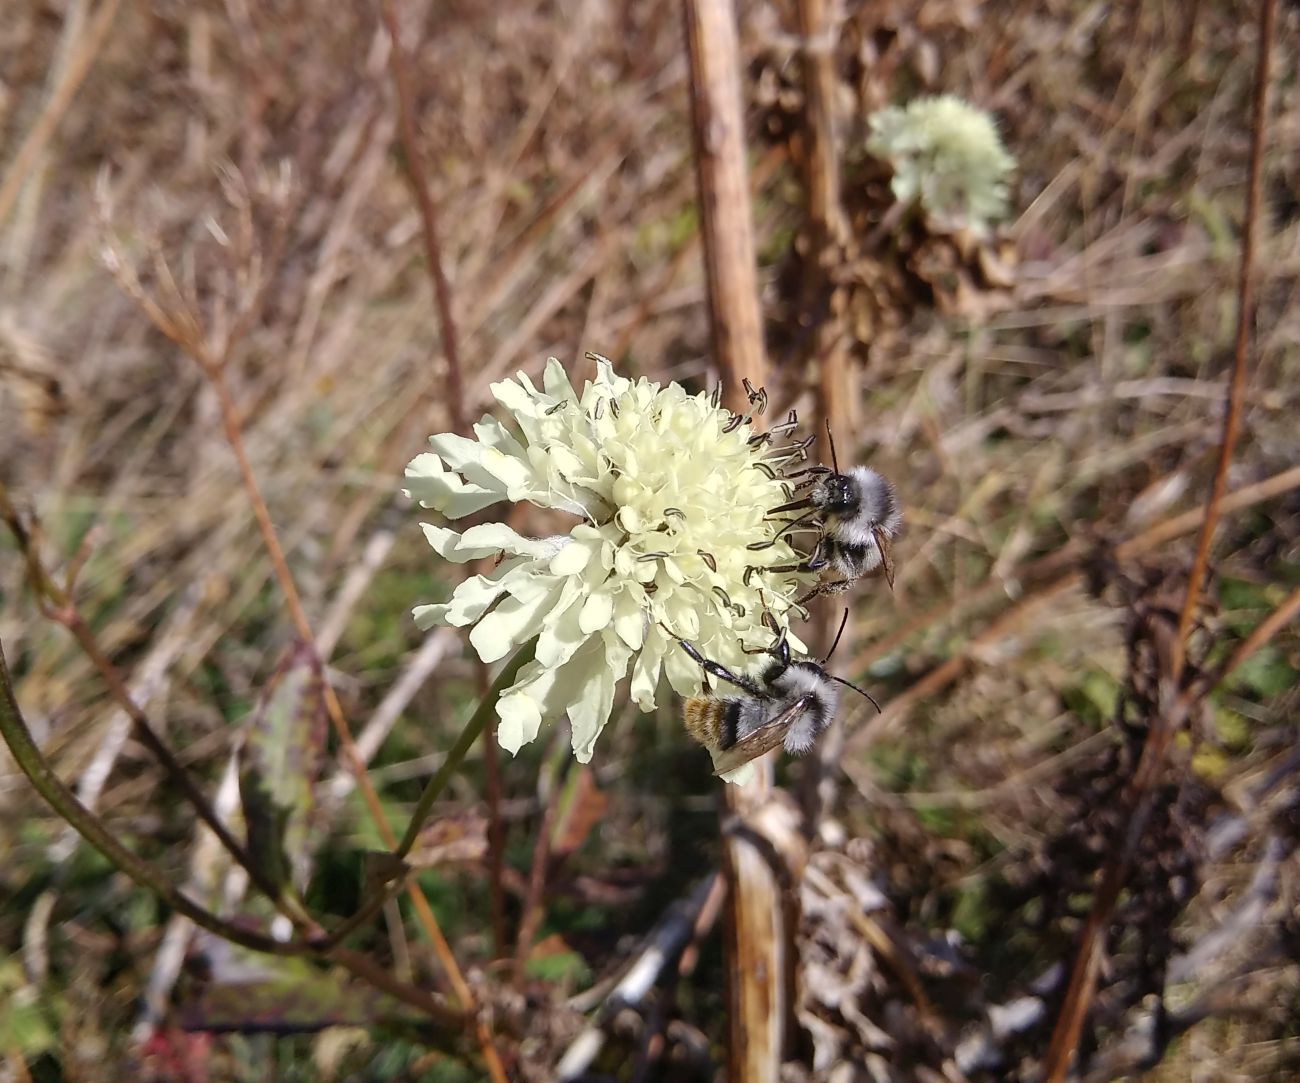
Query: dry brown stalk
(87, 52)
(1245, 317)
(898, 708)
(718, 131)
(837, 393)
(234, 435)
(455, 399)
(179, 323)
(1141, 793)
(759, 963)
(530, 919)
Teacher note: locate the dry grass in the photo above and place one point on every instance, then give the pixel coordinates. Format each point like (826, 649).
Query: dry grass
(257, 153)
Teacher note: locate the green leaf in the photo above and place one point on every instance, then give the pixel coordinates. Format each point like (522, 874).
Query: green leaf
(279, 763)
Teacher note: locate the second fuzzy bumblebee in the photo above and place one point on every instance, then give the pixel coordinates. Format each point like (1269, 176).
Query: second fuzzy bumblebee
(790, 703)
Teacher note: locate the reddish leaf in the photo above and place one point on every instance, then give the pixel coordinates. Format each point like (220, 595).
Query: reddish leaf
(585, 809)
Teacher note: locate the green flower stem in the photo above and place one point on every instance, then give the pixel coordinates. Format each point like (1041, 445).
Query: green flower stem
(29, 759)
(471, 733)
(473, 729)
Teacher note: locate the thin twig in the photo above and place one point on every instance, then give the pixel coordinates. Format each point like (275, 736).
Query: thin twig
(939, 678)
(59, 605)
(18, 738)
(424, 913)
(1245, 318)
(1141, 793)
(88, 49)
(530, 918)
(1263, 632)
(455, 397)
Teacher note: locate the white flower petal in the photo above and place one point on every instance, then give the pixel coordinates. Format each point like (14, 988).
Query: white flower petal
(597, 611)
(491, 433)
(604, 662)
(514, 621)
(561, 636)
(556, 381)
(630, 618)
(683, 672)
(475, 595)
(433, 486)
(646, 670)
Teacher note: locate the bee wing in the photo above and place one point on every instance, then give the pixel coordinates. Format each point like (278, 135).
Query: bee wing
(761, 740)
(886, 554)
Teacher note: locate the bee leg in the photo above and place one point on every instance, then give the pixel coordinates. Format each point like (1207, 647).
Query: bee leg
(720, 671)
(838, 586)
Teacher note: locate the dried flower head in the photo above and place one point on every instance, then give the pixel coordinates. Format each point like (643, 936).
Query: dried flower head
(947, 154)
(670, 539)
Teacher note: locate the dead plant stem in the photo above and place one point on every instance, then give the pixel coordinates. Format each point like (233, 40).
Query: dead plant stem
(1177, 701)
(1245, 317)
(424, 913)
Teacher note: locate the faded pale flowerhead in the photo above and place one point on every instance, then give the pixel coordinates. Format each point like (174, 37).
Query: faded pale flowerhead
(947, 154)
(669, 495)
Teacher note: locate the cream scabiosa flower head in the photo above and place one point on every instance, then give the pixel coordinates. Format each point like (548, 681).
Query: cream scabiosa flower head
(670, 539)
(947, 154)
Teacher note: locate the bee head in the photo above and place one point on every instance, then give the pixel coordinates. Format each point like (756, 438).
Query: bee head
(840, 495)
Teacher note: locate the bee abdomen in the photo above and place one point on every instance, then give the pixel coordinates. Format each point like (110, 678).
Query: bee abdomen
(712, 722)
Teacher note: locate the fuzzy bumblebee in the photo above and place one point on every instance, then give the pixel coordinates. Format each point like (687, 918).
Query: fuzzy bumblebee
(790, 703)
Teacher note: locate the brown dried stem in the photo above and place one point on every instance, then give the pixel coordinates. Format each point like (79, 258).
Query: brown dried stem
(758, 963)
(1033, 572)
(1245, 317)
(28, 757)
(726, 222)
(424, 913)
(1141, 793)
(456, 407)
(428, 216)
(836, 392)
(87, 51)
(59, 605)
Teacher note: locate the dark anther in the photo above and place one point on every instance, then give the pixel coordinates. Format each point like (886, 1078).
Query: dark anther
(613, 407)
(716, 397)
(651, 556)
(759, 438)
(708, 559)
(558, 406)
(599, 410)
(755, 547)
(739, 610)
(735, 423)
(771, 474)
(675, 511)
(726, 598)
(750, 569)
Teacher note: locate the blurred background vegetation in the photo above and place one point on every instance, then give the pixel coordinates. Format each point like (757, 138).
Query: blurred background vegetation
(1046, 399)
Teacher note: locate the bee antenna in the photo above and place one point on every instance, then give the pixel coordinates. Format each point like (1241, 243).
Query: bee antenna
(831, 440)
(860, 691)
(836, 642)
